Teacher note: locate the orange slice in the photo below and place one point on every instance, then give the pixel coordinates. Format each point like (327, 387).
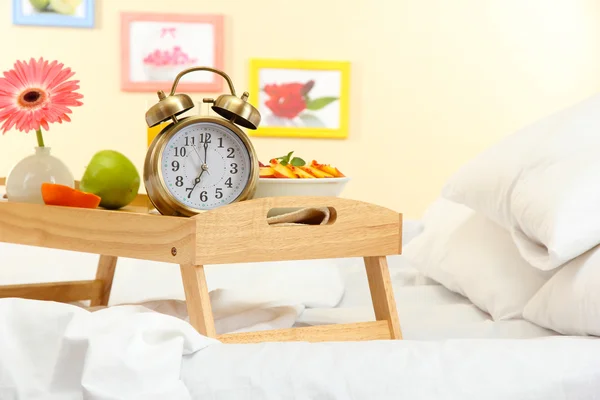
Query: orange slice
(61, 195)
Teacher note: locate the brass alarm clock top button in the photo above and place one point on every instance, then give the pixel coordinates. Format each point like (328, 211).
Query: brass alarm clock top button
(168, 107)
(237, 110)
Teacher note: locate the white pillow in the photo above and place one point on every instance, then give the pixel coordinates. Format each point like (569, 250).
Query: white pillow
(569, 303)
(473, 256)
(410, 229)
(542, 184)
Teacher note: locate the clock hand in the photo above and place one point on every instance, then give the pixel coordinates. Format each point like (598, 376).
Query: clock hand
(196, 182)
(205, 151)
(206, 157)
(203, 166)
(196, 150)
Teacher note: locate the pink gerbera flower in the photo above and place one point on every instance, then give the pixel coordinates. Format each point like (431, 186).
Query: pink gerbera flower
(36, 94)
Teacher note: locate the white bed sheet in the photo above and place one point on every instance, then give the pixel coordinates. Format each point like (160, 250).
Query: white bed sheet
(451, 350)
(556, 368)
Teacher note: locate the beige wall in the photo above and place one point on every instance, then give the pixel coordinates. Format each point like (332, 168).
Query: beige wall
(433, 81)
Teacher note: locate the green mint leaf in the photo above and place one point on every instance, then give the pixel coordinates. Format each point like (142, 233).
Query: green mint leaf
(298, 162)
(285, 158)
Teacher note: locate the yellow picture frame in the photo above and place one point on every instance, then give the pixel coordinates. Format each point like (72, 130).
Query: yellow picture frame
(331, 121)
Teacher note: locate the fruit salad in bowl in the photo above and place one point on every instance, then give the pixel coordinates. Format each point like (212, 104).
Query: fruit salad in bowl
(292, 176)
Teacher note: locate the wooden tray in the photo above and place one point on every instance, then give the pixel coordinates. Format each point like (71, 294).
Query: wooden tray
(235, 233)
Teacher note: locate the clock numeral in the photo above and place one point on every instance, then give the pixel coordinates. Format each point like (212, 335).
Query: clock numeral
(234, 169)
(220, 142)
(230, 155)
(180, 152)
(190, 140)
(228, 183)
(179, 181)
(203, 196)
(190, 190)
(175, 165)
(205, 137)
(219, 193)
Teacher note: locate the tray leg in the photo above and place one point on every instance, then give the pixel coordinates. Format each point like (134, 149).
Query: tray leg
(197, 299)
(382, 294)
(104, 273)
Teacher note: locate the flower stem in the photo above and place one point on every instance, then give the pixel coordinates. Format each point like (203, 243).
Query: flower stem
(40, 138)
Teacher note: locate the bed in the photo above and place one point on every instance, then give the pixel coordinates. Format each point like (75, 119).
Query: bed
(451, 349)
(496, 290)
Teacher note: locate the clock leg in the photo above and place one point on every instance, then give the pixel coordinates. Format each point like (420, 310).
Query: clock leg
(382, 294)
(197, 299)
(105, 273)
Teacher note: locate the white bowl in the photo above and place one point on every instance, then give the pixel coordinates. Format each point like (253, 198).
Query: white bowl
(277, 187)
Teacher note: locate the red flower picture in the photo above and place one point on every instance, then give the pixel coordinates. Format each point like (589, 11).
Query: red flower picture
(301, 98)
(289, 100)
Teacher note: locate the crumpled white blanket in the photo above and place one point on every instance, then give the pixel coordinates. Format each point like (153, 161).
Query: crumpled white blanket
(50, 350)
(59, 351)
(231, 312)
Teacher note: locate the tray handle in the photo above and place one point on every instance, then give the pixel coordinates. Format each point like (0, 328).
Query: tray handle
(240, 232)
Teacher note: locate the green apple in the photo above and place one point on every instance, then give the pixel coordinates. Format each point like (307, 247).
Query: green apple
(40, 5)
(67, 7)
(113, 177)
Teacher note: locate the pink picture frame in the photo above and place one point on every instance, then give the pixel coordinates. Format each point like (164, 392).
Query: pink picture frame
(156, 47)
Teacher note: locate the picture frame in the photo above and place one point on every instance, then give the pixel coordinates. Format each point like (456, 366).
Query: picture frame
(156, 47)
(42, 13)
(300, 98)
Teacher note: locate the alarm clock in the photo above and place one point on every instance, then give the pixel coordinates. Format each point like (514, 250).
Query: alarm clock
(198, 163)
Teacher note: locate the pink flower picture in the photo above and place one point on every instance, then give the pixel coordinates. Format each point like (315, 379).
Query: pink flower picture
(158, 47)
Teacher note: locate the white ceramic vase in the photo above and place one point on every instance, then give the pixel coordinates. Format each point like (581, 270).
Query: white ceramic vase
(24, 182)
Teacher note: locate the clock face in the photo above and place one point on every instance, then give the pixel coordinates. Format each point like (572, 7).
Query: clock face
(205, 165)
